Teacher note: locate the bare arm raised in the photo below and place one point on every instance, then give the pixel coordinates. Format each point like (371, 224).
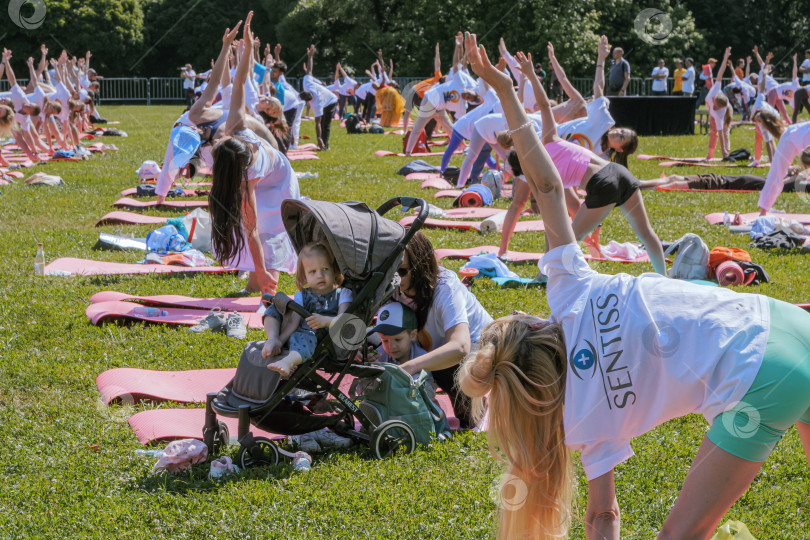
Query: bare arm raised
(543, 177)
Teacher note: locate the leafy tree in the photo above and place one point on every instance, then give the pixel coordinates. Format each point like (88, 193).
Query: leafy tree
(111, 29)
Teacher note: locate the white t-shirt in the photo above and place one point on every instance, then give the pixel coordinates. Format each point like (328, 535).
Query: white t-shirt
(490, 125)
(761, 103)
(770, 83)
(660, 85)
(795, 139)
(189, 82)
(806, 65)
(291, 99)
(588, 131)
(321, 96)
(719, 115)
(464, 126)
(453, 304)
(749, 91)
(643, 350)
(447, 96)
(347, 88)
(688, 79)
(363, 90)
(785, 90)
(20, 99)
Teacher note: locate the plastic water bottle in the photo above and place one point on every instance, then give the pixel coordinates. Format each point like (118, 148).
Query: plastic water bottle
(39, 261)
(726, 219)
(302, 462)
(149, 312)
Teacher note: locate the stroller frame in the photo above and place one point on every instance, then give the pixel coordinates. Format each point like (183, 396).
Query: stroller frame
(384, 438)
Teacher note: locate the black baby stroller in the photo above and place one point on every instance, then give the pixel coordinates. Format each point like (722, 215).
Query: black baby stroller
(368, 249)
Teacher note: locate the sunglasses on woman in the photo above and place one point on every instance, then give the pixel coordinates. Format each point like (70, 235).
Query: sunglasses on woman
(402, 272)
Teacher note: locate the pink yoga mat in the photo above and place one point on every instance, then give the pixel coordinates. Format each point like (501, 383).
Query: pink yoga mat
(69, 266)
(466, 253)
(306, 147)
(717, 217)
(134, 191)
(301, 157)
(120, 217)
(172, 424)
(126, 202)
(436, 183)
(131, 385)
(453, 193)
(103, 312)
(396, 132)
(424, 176)
(648, 157)
(247, 303)
(473, 212)
(521, 226)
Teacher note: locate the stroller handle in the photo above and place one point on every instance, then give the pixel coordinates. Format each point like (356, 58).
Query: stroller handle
(284, 303)
(407, 204)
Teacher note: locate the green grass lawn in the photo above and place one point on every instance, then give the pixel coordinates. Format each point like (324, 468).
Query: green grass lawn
(67, 462)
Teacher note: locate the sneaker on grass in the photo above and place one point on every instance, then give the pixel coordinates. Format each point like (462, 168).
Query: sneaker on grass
(214, 321)
(236, 326)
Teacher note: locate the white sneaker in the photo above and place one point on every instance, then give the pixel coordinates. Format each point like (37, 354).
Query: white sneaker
(330, 439)
(305, 443)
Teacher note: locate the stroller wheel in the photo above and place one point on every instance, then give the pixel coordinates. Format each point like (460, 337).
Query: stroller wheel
(260, 453)
(222, 435)
(391, 436)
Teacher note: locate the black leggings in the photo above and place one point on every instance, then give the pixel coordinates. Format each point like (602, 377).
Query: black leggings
(462, 405)
(800, 100)
(369, 106)
(326, 123)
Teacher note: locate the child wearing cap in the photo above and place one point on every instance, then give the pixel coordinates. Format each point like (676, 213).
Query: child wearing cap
(396, 325)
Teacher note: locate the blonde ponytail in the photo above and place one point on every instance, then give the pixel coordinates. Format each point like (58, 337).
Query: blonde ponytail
(521, 364)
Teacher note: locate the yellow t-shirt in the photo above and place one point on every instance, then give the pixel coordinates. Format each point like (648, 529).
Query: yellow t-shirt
(678, 81)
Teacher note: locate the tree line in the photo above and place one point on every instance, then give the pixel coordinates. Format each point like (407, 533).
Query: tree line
(152, 38)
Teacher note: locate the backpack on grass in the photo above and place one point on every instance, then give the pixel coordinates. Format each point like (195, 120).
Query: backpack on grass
(396, 395)
(692, 260)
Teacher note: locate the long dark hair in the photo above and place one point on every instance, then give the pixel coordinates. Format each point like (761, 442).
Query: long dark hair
(628, 148)
(424, 274)
(231, 159)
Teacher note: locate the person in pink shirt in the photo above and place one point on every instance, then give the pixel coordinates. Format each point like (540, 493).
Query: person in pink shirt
(607, 184)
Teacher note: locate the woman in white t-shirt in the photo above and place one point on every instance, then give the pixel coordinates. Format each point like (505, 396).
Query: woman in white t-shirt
(621, 355)
(449, 317)
(250, 181)
(719, 113)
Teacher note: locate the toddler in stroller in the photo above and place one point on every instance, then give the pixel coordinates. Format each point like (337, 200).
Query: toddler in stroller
(318, 279)
(367, 249)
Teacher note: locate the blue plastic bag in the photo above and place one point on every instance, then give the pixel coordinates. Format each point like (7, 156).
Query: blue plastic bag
(165, 240)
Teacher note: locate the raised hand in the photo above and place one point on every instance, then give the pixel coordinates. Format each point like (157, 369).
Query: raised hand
(6, 55)
(747, 59)
(87, 55)
(277, 49)
(603, 49)
(44, 49)
(481, 66)
(768, 57)
(502, 46)
(727, 53)
(30, 61)
(525, 64)
(248, 32)
(230, 35)
(551, 52)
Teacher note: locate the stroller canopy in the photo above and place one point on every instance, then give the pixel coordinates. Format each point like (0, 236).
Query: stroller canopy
(360, 238)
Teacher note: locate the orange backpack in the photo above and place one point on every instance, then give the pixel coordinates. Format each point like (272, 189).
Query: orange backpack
(721, 254)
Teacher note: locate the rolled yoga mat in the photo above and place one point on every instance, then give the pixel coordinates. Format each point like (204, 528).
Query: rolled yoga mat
(730, 273)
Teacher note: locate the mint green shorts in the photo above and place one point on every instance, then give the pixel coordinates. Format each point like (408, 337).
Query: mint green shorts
(780, 394)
